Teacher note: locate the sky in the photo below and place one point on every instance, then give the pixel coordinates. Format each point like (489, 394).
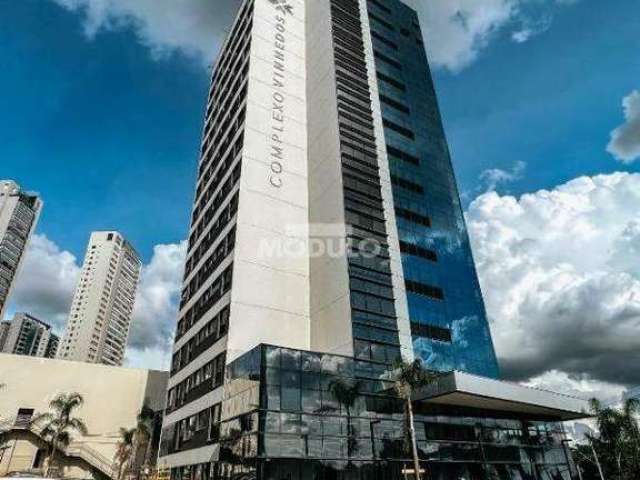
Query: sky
(101, 113)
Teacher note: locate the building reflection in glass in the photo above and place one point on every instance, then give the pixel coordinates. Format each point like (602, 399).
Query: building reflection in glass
(280, 420)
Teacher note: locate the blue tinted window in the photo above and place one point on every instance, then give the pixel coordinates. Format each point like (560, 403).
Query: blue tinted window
(445, 302)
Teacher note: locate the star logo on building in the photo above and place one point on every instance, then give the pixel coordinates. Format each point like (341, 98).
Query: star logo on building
(283, 6)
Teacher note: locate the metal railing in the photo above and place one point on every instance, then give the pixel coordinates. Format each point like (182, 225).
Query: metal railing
(74, 449)
(91, 456)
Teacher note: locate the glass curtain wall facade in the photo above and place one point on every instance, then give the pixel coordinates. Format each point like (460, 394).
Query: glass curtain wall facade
(279, 419)
(448, 320)
(375, 329)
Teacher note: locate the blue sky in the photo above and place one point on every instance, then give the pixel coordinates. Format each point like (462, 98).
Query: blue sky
(107, 135)
(550, 102)
(101, 113)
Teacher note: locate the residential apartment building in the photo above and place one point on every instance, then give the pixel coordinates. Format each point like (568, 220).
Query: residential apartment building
(19, 213)
(98, 326)
(4, 331)
(27, 335)
(327, 242)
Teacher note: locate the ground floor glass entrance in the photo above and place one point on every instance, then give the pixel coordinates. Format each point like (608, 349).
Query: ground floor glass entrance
(281, 419)
(283, 469)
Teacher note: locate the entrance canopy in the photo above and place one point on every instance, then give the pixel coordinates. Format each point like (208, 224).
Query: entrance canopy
(464, 390)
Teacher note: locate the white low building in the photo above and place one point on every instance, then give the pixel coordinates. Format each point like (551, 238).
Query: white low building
(113, 397)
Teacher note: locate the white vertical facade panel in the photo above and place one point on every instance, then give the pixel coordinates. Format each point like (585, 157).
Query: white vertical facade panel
(270, 295)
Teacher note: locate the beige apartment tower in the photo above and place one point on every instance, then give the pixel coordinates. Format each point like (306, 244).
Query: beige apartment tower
(99, 321)
(19, 212)
(28, 335)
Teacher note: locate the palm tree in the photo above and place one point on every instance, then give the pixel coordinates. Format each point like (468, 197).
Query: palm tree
(346, 394)
(4, 438)
(143, 433)
(616, 448)
(630, 414)
(124, 449)
(59, 424)
(3, 434)
(410, 377)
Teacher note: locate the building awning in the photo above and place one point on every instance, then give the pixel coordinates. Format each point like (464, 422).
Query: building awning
(464, 390)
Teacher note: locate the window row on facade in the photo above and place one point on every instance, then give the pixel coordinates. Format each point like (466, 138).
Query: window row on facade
(223, 156)
(217, 208)
(215, 230)
(208, 298)
(230, 49)
(198, 430)
(218, 254)
(207, 336)
(202, 381)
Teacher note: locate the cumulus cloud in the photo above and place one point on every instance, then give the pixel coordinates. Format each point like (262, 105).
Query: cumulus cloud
(156, 308)
(191, 27)
(532, 27)
(46, 282)
(456, 30)
(580, 386)
(559, 271)
(625, 140)
(493, 177)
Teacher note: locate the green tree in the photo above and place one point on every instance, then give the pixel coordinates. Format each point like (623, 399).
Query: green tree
(410, 377)
(346, 394)
(3, 433)
(143, 434)
(614, 452)
(124, 450)
(4, 442)
(631, 428)
(59, 424)
(588, 462)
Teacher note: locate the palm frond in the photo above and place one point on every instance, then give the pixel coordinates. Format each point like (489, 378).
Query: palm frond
(64, 439)
(65, 403)
(146, 414)
(78, 425)
(632, 407)
(125, 445)
(48, 433)
(46, 417)
(145, 426)
(346, 393)
(412, 376)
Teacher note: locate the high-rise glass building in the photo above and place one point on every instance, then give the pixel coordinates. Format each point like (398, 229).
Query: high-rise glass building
(448, 320)
(327, 242)
(19, 213)
(99, 321)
